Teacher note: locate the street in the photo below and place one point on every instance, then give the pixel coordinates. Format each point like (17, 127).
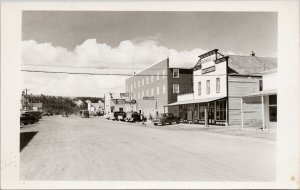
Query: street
(74, 148)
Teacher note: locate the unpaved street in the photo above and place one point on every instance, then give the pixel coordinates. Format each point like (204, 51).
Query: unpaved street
(77, 148)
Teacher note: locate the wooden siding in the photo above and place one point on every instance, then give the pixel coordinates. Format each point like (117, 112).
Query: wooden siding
(238, 87)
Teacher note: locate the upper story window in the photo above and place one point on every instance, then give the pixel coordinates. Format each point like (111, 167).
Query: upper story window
(199, 88)
(175, 73)
(147, 92)
(208, 87)
(139, 83)
(152, 78)
(157, 90)
(261, 85)
(152, 92)
(218, 85)
(157, 75)
(176, 88)
(164, 89)
(147, 80)
(163, 73)
(142, 82)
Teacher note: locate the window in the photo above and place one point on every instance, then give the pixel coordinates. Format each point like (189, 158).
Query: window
(131, 87)
(175, 88)
(147, 92)
(139, 84)
(221, 110)
(163, 73)
(152, 78)
(147, 80)
(273, 108)
(157, 75)
(260, 85)
(164, 89)
(142, 82)
(142, 94)
(152, 92)
(175, 73)
(218, 85)
(208, 87)
(199, 88)
(157, 90)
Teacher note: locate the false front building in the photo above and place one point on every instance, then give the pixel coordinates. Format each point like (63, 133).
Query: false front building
(220, 82)
(158, 86)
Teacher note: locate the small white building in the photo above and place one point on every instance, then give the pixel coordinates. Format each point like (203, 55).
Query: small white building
(95, 107)
(266, 98)
(118, 102)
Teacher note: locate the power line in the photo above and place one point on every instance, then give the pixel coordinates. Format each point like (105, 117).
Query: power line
(104, 74)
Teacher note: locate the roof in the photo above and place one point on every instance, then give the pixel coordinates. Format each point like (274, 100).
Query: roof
(261, 93)
(195, 101)
(250, 65)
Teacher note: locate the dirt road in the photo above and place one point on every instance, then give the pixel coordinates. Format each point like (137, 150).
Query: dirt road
(97, 149)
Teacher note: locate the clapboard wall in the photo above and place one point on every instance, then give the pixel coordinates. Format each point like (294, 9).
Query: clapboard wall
(239, 86)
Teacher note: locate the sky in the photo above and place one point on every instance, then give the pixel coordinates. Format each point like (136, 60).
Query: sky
(124, 42)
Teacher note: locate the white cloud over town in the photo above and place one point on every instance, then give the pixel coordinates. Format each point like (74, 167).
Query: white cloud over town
(101, 57)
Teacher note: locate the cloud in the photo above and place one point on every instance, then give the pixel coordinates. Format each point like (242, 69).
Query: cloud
(140, 53)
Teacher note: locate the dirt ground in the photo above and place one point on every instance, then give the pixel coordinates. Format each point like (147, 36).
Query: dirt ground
(73, 148)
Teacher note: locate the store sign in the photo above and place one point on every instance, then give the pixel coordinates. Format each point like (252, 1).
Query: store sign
(208, 59)
(208, 70)
(148, 98)
(124, 94)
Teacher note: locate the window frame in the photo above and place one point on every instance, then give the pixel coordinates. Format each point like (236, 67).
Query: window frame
(207, 86)
(199, 89)
(218, 85)
(175, 88)
(174, 71)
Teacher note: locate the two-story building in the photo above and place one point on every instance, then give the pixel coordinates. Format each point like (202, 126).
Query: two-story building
(117, 102)
(157, 86)
(220, 82)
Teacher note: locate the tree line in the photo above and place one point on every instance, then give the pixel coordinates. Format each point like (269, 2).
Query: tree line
(60, 104)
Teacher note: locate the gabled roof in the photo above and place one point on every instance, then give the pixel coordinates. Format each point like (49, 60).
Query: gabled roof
(250, 65)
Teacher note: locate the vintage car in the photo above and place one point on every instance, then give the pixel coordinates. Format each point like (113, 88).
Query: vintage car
(134, 117)
(165, 118)
(26, 118)
(118, 115)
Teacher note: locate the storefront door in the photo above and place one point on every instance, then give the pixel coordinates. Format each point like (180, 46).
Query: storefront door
(211, 114)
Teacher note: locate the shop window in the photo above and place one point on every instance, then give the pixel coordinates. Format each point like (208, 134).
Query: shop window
(176, 88)
(218, 85)
(199, 88)
(175, 73)
(208, 87)
(221, 110)
(273, 108)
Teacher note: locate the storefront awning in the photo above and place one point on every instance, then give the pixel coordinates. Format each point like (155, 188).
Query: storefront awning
(262, 93)
(195, 101)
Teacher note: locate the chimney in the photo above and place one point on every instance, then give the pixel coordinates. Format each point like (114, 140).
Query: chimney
(252, 53)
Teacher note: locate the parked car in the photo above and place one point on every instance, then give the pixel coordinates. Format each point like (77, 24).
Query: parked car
(134, 117)
(85, 114)
(26, 118)
(118, 115)
(37, 114)
(165, 118)
(65, 114)
(107, 116)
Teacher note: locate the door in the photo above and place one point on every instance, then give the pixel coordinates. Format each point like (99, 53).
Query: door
(211, 114)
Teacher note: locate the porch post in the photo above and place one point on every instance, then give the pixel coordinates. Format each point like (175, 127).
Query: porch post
(263, 111)
(242, 113)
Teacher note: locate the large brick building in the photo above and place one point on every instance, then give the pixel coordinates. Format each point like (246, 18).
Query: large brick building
(158, 86)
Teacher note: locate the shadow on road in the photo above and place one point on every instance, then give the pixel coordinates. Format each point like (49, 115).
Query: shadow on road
(25, 138)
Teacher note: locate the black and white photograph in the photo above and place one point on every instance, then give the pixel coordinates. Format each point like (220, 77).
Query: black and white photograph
(143, 94)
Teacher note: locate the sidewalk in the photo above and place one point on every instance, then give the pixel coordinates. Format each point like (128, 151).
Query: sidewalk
(225, 130)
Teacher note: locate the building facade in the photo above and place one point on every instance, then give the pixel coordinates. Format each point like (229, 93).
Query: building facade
(117, 102)
(220, 82)
(94, 108)
(157, 86)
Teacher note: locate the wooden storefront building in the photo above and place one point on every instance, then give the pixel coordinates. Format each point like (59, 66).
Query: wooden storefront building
(220, 82)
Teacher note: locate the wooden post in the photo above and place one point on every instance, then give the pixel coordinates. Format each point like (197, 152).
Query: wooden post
(242, 113)
(205, 117)
(263, 111)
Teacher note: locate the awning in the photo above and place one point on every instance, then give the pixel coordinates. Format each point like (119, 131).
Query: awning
(195, 101)
(262, 93)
